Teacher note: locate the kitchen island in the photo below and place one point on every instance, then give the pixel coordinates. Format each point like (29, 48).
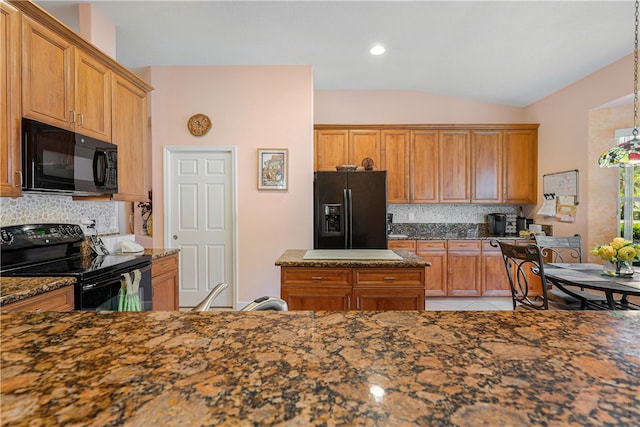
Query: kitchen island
(338, 279)
(324, 368)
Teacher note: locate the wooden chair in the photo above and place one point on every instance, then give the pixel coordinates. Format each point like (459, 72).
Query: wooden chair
(524, 264)
(566, 249)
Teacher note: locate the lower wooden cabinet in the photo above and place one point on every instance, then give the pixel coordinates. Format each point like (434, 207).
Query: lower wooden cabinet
(306, 288)
(60, 299)
(434, 252)
(495, 282)
(164, 283)
(461, 267)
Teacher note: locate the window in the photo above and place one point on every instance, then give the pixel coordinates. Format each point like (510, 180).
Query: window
(629, 195)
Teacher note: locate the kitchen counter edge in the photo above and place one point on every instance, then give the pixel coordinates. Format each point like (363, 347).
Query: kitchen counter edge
(294, 258)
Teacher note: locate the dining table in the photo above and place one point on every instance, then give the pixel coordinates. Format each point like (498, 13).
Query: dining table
(590, 276)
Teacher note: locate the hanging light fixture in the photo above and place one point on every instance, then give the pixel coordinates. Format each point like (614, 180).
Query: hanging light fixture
(627, 153)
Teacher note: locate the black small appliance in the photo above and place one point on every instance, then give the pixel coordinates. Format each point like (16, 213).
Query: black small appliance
(497, 223)
(59, 160)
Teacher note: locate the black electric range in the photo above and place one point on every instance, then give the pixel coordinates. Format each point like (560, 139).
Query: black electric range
(38, 250)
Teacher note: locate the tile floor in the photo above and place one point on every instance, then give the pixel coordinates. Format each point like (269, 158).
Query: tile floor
(458, 304)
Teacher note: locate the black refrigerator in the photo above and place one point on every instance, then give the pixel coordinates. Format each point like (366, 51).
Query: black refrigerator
(350, 210)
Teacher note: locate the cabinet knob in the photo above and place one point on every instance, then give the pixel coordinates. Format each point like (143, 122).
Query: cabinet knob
(175, 237)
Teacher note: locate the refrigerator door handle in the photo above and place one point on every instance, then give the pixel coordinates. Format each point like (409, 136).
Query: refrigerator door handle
(350, 218)
(345, 216)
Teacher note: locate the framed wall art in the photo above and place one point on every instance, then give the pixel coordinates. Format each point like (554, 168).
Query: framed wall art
(273, 171)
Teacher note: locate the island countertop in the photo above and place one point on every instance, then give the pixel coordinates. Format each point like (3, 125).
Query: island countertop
(295, 258)
(320, 368)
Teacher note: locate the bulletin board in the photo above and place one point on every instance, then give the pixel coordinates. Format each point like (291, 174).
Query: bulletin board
(561, 184)
(560, 195)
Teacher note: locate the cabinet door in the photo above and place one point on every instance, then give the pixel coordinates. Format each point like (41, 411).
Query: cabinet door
(92, 97)
(164, 283)
(364, 143)
(520, 162)
(495, 281)
(47, 75)
(164, 292)
(10, 115)
(303, 298)
(423, 169)
(454, 167)
(331, 149)
(60, 299)
(316, 288)
(129, 113)
(464, 267)
(403, 245)
(395, 149)
(381, 299)
(389, 289)
(434, 252)
(486, 167)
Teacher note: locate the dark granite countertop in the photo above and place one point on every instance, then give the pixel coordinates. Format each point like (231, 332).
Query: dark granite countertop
(561, 368)
(14, 289)
(294, 258)
(160, 253)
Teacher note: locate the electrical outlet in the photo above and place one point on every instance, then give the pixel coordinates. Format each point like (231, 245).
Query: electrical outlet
(412, 216)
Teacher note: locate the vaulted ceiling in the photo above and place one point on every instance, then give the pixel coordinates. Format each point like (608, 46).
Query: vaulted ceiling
(507, 52)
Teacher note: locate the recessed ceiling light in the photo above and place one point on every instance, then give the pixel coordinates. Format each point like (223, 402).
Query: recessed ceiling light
(377, 50)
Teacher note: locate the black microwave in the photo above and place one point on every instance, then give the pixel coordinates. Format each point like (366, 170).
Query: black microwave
(62, 161)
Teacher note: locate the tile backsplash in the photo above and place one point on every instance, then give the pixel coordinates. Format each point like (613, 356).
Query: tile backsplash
(44, 208)
(437, 213)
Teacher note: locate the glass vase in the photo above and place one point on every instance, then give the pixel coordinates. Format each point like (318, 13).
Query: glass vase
(618, 269)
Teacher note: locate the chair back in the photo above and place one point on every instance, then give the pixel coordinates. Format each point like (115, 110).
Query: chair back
(560, 249)
(525, 270)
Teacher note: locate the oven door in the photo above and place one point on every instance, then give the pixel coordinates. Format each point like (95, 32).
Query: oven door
(103, 293)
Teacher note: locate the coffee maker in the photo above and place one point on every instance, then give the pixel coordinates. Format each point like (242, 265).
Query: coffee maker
(497, 223)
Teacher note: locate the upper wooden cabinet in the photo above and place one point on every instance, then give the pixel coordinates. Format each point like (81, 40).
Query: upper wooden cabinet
(454, 166)
(51, 74)
(424, 178)
(395, 160)
(129, 134)
(442, 163)
(335, 147)
(486, 166)
(62, 85)
(520, 162)
(10, 147)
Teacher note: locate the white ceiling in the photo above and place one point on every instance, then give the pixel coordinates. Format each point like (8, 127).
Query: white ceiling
(507, 52)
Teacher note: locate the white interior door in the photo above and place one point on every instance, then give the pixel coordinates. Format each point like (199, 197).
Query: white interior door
(199, 209)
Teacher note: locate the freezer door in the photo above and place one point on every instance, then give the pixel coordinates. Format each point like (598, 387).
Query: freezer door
(330, 210)
(367, 209)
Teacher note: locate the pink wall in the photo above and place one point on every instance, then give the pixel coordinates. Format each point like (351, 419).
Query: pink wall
(369, 107)
(251, 108)
(572, 135)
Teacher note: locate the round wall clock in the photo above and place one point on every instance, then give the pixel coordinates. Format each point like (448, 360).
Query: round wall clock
(199, 124)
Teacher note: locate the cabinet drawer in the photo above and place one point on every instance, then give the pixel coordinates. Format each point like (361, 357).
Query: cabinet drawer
(57, 300)
(389, 277)
(405, 245)
(464, 245)
(316, 276)
(486, 245)
(163, 265)
(431, 245)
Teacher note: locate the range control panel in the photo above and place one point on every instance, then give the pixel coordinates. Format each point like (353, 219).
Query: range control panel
(30, 235)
